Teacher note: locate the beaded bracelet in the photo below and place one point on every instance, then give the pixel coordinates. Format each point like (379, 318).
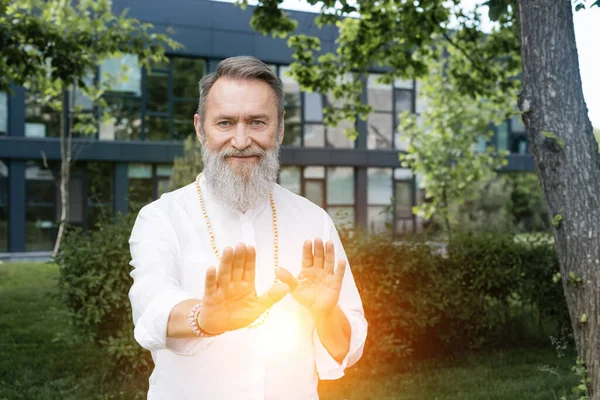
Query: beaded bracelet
(193, 320)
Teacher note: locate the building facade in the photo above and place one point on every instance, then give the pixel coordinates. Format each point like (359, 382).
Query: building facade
(128, 162)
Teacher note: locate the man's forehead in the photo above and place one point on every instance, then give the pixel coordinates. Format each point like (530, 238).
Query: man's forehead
(240, 95)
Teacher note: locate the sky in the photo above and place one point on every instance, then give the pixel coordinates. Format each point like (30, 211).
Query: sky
(587, 35)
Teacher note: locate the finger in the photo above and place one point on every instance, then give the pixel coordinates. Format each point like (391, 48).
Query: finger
(239, 259)
(210, 282)
(341, 270)
(329, 263)
(276, 293)
(319, 257)
(250, 266)
(224, 275)
(307, 255)
(286, 277)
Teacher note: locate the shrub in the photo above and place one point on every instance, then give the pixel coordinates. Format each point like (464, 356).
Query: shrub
(423, 302)
(94, 284)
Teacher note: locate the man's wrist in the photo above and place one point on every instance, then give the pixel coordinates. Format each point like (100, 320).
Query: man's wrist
(320, 317)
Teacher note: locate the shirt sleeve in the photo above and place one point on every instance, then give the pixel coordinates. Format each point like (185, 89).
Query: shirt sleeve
(350, 304)
(156, 285)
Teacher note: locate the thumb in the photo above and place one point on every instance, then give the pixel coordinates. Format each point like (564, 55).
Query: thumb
(276, 293)
(286, 277)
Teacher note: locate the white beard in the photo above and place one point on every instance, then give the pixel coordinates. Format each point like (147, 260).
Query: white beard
(243, 187)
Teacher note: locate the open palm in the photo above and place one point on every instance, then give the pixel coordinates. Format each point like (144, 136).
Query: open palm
(230, 301)
(318, 285)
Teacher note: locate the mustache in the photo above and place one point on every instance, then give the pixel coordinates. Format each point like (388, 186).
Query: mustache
(247, 152)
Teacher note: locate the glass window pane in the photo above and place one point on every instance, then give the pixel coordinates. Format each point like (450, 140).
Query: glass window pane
(502, 136)
(3, 114)
(290, 178)
(313, 107)
(402, 174)
(314, 191)
(340, 185)
(157, 128)
(3, 206)
(379, 94)
(314, 172)
(403, 84)
(379, 186)
(140, 185)
(40, 120)
(291, 88)
(343, 217)
(125, 119)
(158, 91)
(404, 99)
(40, 228)
(339, 103)
(517, 125)
(292, 134)
(122, 74)
(187, 73)
(40, 221)
(314, 136)
(380, 131)
(162, 186)
(164, 170)
(100, 183)
(337, 138)
(183, 123)
(379, 219)
(403, 199)
(404, 225)
(421, 103)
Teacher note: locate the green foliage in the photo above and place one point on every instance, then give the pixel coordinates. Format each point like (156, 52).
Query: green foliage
(400, 36)
(441, 149)
(483, 290)
(94, 284)
(59, 41)
(186, 168)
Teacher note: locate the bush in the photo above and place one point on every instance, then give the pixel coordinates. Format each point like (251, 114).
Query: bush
(94, 284)
(420, 301)
(423, 302)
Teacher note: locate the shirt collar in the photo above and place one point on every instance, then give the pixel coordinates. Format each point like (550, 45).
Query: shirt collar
(251, 213)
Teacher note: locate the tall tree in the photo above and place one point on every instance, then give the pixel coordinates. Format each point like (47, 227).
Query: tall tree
(568, 163)
(52, 46)
(397, 35)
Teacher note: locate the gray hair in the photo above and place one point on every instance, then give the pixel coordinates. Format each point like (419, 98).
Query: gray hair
(242, 68)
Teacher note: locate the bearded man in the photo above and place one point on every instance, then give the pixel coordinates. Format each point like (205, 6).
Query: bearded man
(282, 309)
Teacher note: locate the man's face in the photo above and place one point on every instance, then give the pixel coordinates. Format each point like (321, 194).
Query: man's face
(241, 122)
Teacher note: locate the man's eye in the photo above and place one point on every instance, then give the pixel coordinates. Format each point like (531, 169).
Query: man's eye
(224, 123)
(257, 122)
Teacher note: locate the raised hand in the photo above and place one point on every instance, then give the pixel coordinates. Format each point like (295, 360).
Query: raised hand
(230, 301)
(318, 285)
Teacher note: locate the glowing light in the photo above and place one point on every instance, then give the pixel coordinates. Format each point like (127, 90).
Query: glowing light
(283, 333)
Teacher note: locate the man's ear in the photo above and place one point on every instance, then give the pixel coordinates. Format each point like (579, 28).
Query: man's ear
(198, 127)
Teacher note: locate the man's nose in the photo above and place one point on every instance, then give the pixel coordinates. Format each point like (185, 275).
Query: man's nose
(241, 138)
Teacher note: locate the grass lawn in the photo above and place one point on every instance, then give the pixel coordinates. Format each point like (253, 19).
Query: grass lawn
(42, 359)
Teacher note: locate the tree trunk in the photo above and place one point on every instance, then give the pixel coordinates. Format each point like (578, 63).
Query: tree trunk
(65, 176)
(567, 161)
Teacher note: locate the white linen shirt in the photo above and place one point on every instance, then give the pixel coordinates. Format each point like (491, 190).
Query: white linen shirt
(281, 359)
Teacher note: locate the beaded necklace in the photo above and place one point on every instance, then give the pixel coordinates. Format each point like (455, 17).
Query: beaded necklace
(213, 244)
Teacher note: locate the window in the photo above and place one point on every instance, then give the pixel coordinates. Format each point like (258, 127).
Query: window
(291, 179)
(172, 98)
(379, 199)
(340, 195)
(3, 114)
(140, 185)
(293, 107)
(100, 192)
(502, 136)
(122, 75)
(163, 174)
(3, 206)
(40, 207)
(40, 120)
(403, 201)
